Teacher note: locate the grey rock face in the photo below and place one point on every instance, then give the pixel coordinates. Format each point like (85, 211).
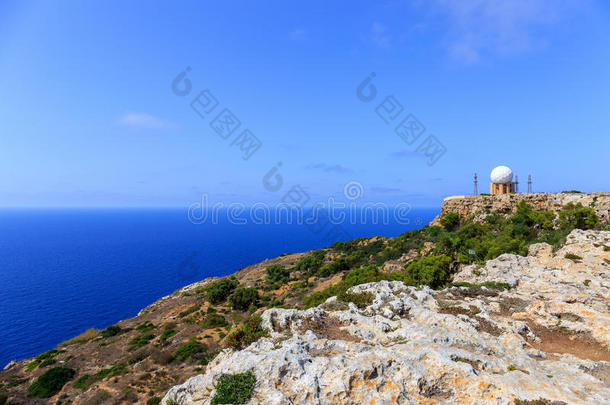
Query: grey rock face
(545, 338)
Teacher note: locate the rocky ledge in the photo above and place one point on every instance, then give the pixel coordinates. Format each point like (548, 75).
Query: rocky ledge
(517, 328)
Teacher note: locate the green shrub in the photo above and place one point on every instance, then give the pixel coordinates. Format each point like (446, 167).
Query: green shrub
(248, 333)
(83, 382)
(361, 300)
(213, 321)
(218, 292)
(572, 256)
(112, 330)
(310, 264)
(115, 370)
(153, 401)
(167, 333)
(365, 274)
(140, 341)
(429, 270)
(51, 382)
(188, 350)
(145, 326)
(574, 216)
(277, 275)
(189, 311)
(242, 298)
(234, 388)
(44, 359)
(451, 221)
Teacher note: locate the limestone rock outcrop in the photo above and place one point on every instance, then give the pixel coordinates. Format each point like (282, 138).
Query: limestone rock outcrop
(481, 205)
(547, 337)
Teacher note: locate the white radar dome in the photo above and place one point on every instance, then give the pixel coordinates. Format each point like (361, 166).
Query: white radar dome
(501, 174)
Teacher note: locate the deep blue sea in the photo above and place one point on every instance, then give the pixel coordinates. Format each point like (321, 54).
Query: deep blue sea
(63, 271)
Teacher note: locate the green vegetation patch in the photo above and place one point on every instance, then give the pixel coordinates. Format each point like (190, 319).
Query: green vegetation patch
(189, 311)
(361, 300)
(145, 326)
(277, 275)
(218, 292)
(194, 351)
(248, 333)
(51, 382)
(44, 359)
(213, 320)
(572, 257)
(495, 285)
(234, 388)
(242, 298)
(365, 274)
(140, 341)
(112, 330)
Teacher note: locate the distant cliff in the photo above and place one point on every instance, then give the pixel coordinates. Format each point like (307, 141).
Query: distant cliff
(481, 205)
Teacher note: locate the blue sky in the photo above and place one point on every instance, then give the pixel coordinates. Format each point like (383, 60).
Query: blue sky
(88, 116)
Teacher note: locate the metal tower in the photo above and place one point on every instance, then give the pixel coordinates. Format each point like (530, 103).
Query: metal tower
(516, 184)
(476, 185)
(529, 183)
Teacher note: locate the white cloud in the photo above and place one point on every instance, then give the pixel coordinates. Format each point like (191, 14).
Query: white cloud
(380, 36)
(144, 121)
(297, 34)
(478, 28)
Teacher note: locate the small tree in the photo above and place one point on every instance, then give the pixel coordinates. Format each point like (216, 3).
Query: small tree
(276, 276)
(451, 221)
(576, 216)
(234, 388)
(51, 382)
(218, 292)
(429, 270)
(242, 298)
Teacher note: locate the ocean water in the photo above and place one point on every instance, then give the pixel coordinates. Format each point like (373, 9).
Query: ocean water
(63, 271)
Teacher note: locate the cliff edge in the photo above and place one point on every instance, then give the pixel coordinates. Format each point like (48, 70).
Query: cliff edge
(544, 337)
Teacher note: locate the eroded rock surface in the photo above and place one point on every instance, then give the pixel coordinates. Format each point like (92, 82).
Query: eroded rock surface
(545, 338)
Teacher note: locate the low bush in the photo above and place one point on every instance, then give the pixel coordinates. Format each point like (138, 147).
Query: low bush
(189, 311)
(429, 270)
(242, 298)
(44, 359)
(213, 321)
(572, 256)
(145, 326)
(153, 401)
(361, 300)
(140, 341)
(83, 382)
(218, 292)
(451, 221)
(365, 274)
(51, 382)
(248, 333)
(193, 351)
(574, 216)
(234, 388)
(277, 275)
(115, 370)
(112, 330)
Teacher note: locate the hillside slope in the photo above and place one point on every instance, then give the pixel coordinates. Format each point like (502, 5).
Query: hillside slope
(545, 338)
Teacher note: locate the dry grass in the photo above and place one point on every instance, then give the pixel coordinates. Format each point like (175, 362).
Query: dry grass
(82, 338)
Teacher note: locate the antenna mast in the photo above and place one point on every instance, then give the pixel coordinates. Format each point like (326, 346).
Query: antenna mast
(476, 185)
(516, 184)
(529, 183)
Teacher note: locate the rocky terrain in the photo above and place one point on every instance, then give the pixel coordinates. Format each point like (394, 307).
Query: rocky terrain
(540, 331)
(481, 205)
(449, 313)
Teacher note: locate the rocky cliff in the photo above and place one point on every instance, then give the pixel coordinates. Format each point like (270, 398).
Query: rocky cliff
(481, 205)
(541, 331)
